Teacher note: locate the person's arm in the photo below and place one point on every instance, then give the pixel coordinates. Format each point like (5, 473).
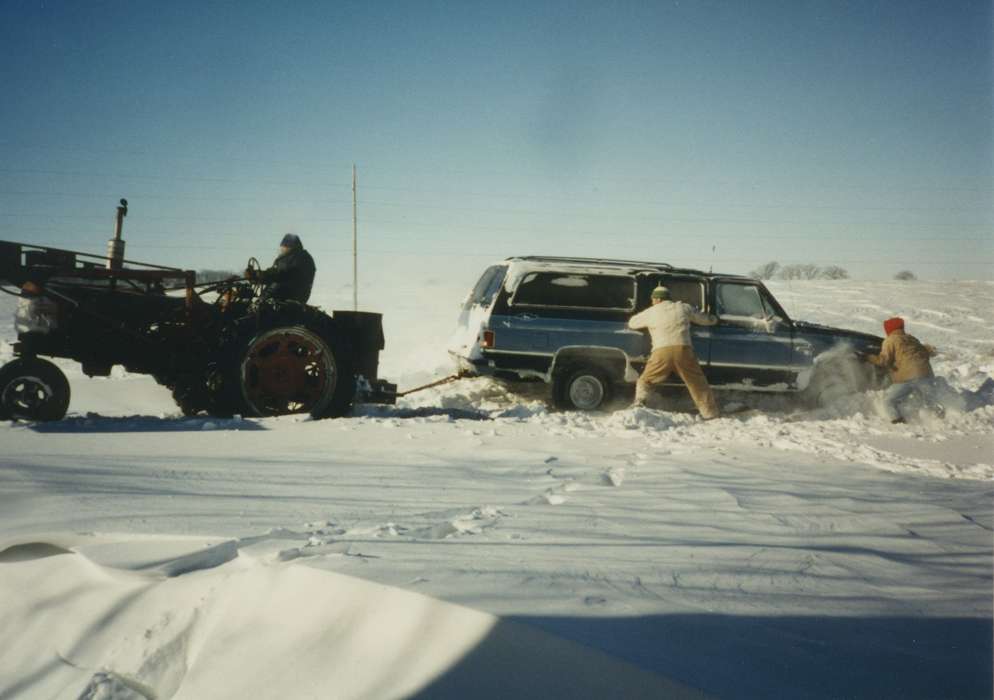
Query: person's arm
(699, 319)
(639, 320)
(281, 271)
(930, 349)
(272, 274)
(886, 357)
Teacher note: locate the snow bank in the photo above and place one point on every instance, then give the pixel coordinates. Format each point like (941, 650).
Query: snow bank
(800, 549)
(116, 619)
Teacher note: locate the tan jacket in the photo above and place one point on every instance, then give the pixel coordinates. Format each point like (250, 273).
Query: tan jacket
(669, 323)
(904, 356)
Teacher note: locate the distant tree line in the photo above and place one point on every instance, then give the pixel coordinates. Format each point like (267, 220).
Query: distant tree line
(774, 270)
(204, 276)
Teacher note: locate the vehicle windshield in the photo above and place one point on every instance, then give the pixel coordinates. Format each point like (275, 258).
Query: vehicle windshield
(741, 300)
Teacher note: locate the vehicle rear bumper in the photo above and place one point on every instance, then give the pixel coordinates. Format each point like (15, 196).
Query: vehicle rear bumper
(507, 366)
(474, 367)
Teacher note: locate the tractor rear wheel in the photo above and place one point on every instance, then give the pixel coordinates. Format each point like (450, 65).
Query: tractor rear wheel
(292, 369)
(33, 389)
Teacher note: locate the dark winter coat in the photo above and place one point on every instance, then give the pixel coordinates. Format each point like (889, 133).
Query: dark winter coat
(291, 276)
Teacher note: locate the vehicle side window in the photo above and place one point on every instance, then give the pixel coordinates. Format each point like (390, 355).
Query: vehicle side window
(742, 300)
(487, 286)
(577, 291)
(495, 284)
(688, 291)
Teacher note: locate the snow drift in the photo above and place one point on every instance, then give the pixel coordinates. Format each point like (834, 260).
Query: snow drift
(471, 542)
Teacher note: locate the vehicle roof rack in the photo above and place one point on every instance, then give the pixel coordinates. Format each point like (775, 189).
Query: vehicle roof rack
(626, 265)
(607, 262)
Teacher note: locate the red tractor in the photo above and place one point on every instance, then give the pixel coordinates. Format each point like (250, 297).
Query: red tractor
(221, 347)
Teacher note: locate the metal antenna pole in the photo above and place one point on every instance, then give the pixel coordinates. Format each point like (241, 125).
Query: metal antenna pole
(355, 245)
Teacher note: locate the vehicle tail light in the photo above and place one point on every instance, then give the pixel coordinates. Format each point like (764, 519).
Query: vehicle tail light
(489, 339)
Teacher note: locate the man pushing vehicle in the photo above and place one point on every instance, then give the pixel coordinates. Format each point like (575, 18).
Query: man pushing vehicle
(909, 362)
(668, 323)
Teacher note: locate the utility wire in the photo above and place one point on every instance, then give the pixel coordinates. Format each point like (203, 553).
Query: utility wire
(433, 252)
(615, 218)
(141, 196)
(432, 171)
(586, 197)
(630, 236)
(134, 176)
(671, 205)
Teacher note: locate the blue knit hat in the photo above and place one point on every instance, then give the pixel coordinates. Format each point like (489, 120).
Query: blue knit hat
(291, 240)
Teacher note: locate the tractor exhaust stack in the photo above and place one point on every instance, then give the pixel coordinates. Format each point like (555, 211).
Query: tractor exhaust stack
(115, 246)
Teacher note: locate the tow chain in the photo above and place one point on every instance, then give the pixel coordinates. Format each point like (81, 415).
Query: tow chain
(439, 382)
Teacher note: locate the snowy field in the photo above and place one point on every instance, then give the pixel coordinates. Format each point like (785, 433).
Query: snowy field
(532, 554)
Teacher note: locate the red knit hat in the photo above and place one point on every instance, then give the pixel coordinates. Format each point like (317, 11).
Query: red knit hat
(893, 324)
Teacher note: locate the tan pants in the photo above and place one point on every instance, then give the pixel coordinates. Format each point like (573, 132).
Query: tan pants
(682, 360)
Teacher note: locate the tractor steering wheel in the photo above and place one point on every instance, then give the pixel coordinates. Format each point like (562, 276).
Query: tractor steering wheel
(255, 281)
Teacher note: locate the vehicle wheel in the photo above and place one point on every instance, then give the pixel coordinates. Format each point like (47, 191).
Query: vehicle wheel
(292, 369)
(583, 389)
(33, 389)
(187, 401)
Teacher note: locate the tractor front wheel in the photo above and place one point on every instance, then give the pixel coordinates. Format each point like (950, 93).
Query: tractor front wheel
(33, 389)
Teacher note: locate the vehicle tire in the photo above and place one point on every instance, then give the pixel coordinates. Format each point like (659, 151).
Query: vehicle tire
(33, 389)
(187, 401)
(293, 369)
(585, 388)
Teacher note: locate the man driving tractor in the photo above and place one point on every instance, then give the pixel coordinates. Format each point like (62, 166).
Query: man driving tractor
(292, 274)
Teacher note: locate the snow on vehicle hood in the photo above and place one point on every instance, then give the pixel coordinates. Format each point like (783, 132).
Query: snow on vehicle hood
(840, 333)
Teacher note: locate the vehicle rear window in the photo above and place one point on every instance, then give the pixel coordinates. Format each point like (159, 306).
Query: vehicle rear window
(578, 291)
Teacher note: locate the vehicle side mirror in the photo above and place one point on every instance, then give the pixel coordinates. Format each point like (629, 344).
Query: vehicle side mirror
(773, 323)
(767, 324)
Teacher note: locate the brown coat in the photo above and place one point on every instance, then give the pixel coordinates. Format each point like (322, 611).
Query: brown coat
(904, 356)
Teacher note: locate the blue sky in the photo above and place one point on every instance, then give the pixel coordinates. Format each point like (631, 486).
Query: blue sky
(699, 133)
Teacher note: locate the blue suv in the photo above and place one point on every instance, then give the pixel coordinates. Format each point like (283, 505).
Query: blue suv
(563, 321)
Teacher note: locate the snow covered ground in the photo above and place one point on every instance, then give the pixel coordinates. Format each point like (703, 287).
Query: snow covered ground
(403, 552)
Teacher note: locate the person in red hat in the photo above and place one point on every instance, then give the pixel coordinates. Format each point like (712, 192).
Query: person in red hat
(902, 354)
(907, 360)
(911, 373)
